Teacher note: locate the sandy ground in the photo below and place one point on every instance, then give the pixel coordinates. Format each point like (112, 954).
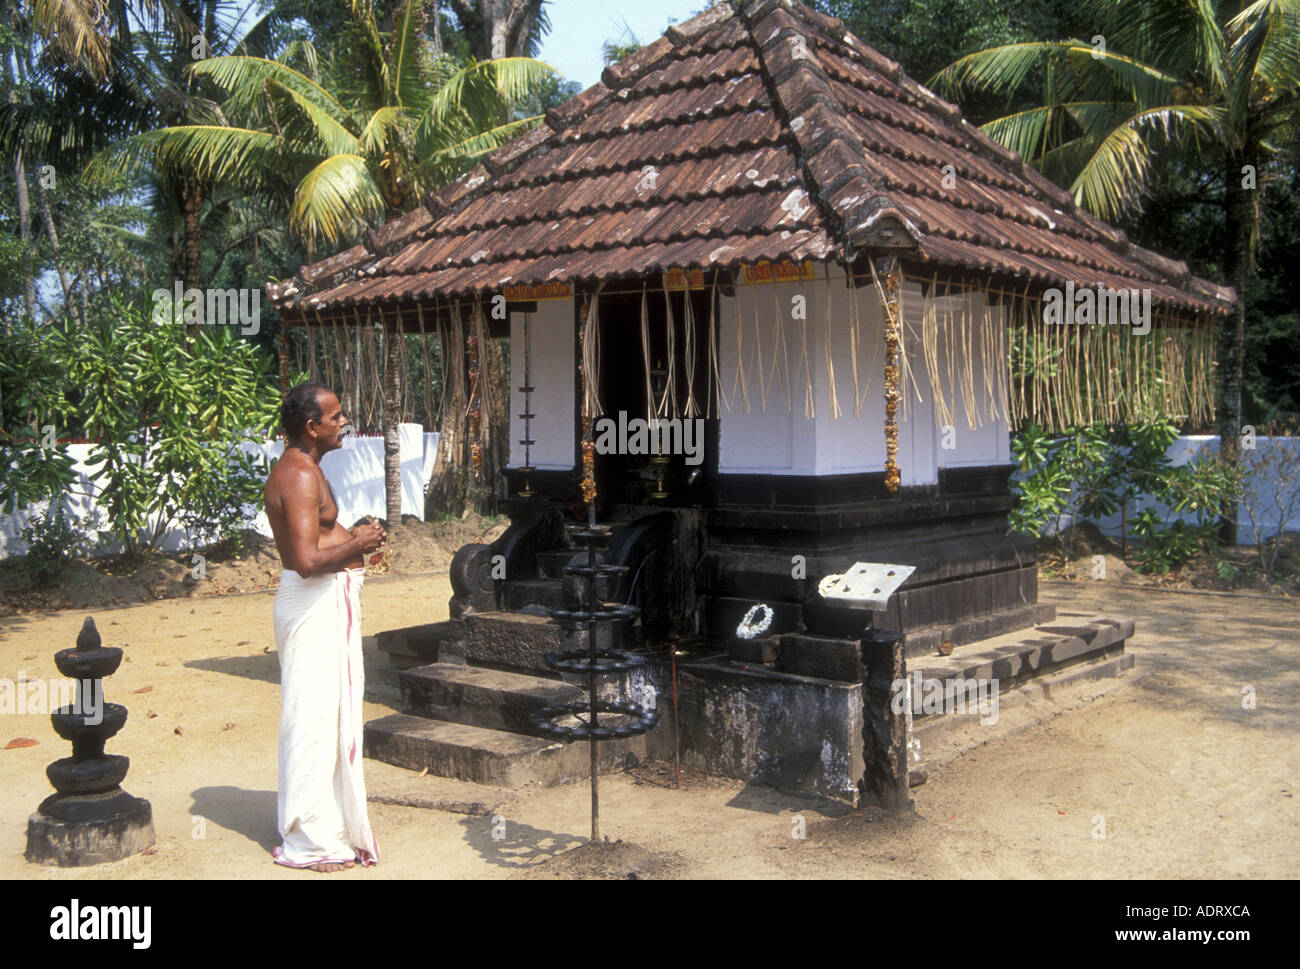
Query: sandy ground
(1190, 784)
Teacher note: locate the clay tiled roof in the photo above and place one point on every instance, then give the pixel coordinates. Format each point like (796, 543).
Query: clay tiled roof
(757, 130)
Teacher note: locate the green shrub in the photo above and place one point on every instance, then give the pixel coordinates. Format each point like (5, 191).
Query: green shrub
(1091, 472)
(167, 412)
(52, 543)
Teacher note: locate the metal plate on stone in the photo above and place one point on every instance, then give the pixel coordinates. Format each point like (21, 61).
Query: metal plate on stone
(866, 585)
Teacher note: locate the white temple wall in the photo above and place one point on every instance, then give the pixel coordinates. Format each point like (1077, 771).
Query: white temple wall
(774, 439)
(551, 372)
(965, 436)
(918, 446)
(762, 438)
(781, 441)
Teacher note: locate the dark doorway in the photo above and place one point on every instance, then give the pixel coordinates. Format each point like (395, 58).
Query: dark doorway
(643, 478)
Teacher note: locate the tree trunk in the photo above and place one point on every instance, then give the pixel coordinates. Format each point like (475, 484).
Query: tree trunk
(495, 424)
(25, 232)
(1232, 332)
(192, 209)
(20, 181)
(447, 492)
(393, 425)
(53, 235)
(498, 28)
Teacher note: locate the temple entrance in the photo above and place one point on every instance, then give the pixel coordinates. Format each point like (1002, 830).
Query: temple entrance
(675, 384)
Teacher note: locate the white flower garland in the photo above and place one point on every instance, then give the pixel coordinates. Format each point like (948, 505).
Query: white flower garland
(748, 629)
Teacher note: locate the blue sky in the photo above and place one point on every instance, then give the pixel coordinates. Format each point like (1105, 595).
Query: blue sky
(580, 27)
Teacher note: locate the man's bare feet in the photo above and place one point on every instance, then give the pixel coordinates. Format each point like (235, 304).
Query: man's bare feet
(328, 866)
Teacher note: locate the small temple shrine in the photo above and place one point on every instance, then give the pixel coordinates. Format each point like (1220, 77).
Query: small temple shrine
(761, 291)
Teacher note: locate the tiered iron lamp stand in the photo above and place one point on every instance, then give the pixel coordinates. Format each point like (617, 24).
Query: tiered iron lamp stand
(583, 618)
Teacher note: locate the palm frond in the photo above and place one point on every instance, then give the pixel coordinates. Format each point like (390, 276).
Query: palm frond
(245, 79)
(1001, 70)
(408, 86)
(209, 152)
(79, 29)
(335, 199)
(369, 44)
(331, 135)
(1264, 57)
(508, 79)
(1115, 175)
(378, 129)
(465, 151)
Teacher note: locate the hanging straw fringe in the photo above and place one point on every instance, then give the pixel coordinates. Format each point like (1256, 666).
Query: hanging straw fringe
(809, 395)
(854, 340)
(715, 364)
(692, 409)
(779, 353)
(591, 407)
(758, 346)
(1074, 374)
(486, 400)
(830, 356)
(667, 406)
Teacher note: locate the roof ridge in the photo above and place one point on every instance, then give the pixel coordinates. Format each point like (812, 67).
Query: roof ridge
(856, 211)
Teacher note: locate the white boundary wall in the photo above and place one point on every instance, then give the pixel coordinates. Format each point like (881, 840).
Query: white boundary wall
(1260, 489)
(355, 473)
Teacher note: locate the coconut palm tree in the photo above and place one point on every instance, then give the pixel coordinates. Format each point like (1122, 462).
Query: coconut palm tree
(357, 141)
(1192, 79)
(348, 143)
(107, 70)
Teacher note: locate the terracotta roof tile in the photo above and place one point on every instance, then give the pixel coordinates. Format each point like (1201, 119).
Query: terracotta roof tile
(756, 130)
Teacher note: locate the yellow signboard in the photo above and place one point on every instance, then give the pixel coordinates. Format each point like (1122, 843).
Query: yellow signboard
(778, 272)
(678, 279)
(542, 291)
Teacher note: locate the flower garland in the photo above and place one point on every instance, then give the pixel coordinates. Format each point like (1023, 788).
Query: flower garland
(588, 443)
(889, 300)
(748, 628)
(588, 463)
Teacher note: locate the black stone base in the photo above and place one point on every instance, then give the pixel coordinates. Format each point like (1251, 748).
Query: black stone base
(884, 732)
(89, 829)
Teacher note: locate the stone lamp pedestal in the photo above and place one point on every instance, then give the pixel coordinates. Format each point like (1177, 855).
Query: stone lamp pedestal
(89, 819)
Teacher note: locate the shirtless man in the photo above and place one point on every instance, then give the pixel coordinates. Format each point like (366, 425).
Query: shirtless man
(304, 519)
(299, 502)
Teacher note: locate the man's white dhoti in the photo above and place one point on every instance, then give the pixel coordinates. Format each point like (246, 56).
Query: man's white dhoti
(322, 802)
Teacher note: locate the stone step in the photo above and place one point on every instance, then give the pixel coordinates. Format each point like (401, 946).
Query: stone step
(517, 640)
(938, 740)
(922, 642)
(496, 757)
(534, 592)
(480, 697)
(435, 642)
(1017, 657)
